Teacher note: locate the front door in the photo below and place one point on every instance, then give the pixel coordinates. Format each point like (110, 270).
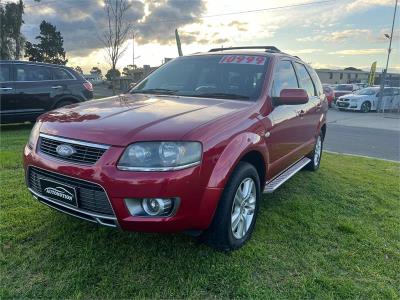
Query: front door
(34, 87)
(282, 138)
(7, 92)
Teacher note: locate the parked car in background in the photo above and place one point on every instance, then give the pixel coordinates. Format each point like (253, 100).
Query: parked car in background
(344, 89)
(190, 148)
(329, 93)
(366, 100)
(28, 89)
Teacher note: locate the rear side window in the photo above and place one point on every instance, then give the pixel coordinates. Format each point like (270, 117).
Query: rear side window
(5, 72)
(305, 79)
(388, 92)
(284, 78)
(60, 74)
(32, 73)
(317, 82)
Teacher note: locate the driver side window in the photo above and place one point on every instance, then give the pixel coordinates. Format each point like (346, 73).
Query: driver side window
(284, 78)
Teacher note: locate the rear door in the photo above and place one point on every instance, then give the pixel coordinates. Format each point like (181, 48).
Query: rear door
(309, 113)
(35, 88)
(7, 91)
(64, 83)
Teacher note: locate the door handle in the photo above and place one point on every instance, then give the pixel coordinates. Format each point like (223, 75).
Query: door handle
(300, 113)
(56, 87)
(6, 88)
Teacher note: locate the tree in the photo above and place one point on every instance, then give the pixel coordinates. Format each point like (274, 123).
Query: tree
(128, 70)
(95, 70)
(118, 28)
(352, 69)
(10, 30)
(78, 69)
(112, 74)
(50, 47)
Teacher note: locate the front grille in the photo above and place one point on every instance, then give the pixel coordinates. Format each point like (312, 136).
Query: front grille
(85, 153)
(90, 196)
(343, 104)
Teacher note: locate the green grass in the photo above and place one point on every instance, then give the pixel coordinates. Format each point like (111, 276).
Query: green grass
(330, 234)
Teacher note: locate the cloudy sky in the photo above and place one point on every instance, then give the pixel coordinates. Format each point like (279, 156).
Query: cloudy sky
(327, 34)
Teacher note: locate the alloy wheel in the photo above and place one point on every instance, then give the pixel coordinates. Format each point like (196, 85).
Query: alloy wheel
(317, 151)
(243, 208)
(365, 107)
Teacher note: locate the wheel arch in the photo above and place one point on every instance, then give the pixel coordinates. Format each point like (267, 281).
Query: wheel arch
(248, 147)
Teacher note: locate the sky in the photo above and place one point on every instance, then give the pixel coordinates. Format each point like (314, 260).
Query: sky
(327, 34)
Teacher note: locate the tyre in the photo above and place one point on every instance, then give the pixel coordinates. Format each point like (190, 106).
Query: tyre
(236, 214)
(63, 103)
(366, 107)
(316, 154)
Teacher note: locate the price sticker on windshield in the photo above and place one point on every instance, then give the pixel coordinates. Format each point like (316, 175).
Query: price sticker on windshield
(243, 59)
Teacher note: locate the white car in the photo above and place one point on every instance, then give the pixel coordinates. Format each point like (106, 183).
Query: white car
(366, 99)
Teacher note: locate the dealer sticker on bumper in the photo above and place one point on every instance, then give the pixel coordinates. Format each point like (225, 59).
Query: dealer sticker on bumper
(59, 192)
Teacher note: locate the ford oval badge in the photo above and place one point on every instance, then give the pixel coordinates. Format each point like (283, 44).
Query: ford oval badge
(65, 150)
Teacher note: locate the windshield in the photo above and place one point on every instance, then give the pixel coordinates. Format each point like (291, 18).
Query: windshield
(238, 77)
(344, 87)
(367, 91)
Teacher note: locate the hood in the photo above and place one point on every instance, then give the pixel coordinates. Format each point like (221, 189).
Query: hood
(341, 93)
(124, 119)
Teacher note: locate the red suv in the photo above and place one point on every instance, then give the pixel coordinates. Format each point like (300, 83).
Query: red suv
(191, 148)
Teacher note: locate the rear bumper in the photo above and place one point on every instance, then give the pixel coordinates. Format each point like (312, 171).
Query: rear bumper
(196, 206)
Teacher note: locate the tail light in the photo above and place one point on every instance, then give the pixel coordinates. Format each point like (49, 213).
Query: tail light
(88, 86)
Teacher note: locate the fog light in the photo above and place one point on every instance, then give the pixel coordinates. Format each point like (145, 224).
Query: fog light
(156, 206)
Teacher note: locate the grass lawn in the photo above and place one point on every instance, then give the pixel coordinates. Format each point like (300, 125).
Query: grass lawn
(330, 234)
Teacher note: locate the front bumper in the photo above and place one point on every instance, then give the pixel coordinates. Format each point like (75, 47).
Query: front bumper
(348, 105)
(196, 206)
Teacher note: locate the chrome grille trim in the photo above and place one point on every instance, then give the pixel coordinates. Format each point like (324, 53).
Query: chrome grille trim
(86, 153)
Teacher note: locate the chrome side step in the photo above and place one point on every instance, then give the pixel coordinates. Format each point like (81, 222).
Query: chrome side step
(276, 182)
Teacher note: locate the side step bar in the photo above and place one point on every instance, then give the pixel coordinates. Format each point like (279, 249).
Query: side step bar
(276, 182)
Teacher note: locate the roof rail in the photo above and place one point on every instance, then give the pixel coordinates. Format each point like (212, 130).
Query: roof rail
(266, 48)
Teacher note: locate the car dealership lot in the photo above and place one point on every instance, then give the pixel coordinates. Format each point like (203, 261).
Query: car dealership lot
(372, 134)
(332, 235)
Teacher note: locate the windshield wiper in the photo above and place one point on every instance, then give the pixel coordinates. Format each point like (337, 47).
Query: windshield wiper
(222, 96)
(155, 91)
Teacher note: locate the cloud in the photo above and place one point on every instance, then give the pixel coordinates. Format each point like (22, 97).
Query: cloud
(81, 23)
(303, 51)
(164, 16)
(338, 36)
(359, 52)
(241, 26)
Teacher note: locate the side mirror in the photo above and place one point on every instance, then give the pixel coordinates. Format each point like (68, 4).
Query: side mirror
(293, 96)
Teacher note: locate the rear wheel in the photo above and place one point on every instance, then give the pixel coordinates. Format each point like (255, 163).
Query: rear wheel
(316, 154)
(235, 217)
(366, 107)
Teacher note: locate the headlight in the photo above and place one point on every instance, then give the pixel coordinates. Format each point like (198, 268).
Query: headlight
(34, 135)
(160, 156)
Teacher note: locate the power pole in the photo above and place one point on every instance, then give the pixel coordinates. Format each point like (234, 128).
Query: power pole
(178, 42)
(384, 72)
(133, 52)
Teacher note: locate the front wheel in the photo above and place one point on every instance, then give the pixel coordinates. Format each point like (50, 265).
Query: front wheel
(316, 154)
(235, 217)
(365, 107)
